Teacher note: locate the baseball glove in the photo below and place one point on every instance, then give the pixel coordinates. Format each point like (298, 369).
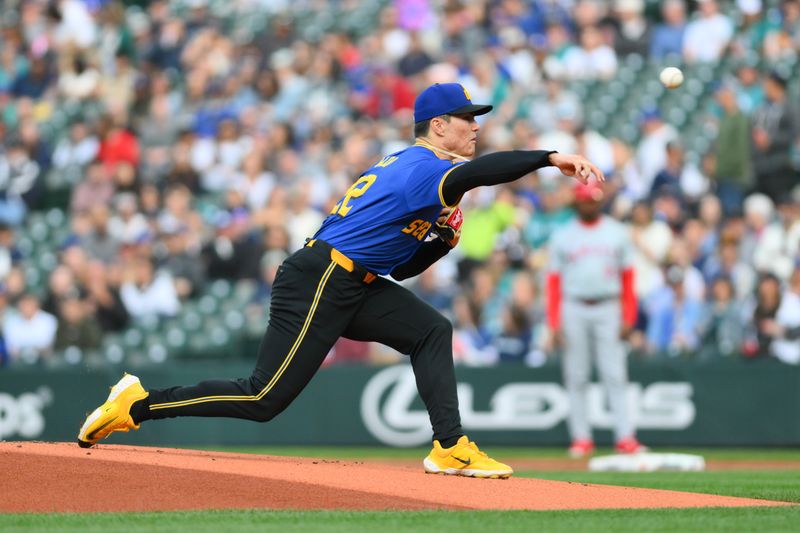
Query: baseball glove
(448, 226)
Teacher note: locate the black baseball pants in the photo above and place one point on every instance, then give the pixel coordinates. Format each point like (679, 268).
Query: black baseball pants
(318, 296)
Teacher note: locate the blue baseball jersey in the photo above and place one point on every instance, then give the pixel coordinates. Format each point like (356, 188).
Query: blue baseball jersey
(385, 216)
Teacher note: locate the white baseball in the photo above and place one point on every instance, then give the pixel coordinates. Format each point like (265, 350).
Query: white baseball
(671, 77)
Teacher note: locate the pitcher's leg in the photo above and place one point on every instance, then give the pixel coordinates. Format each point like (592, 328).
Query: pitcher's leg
(311, 304)
(576, 367)
(395, 317)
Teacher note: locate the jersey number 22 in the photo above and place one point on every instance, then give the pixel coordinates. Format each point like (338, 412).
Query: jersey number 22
(357, 189)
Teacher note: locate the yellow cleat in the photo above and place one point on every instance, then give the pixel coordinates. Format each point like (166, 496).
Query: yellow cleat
(114, 414)
(464, 459)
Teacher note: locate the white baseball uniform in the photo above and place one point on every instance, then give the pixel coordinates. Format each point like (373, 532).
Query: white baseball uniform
(590, 269)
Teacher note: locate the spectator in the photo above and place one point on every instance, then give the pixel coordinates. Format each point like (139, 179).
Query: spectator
(754, 27)
(29, 333)
(36, 81)
(20, 184)
(776, 126)
(389, 94)
(667, 39)
(785, 328)
(303, 220)
(758, 212)
(254, 183)
(223, 155)
(10, 255)
(233, 253)
(78, 80)
(593, 59)
(471, 342)
(182, 172)
(78, 149)
(485, 81)
(103, 300)
(118, 83)
(633, 34)
(556, 100)
(76, 328)
(750, 90)
(677, 177)
(178, 211)
(651, 240)
(762, 332)
(181, 261)
(727, 263)
(673, 317)
(651, 154)
(681, 255)
(710, 215)
(514, 341)
(128, 225)
(708, 35)
(482, 226)
(96, 188)
(787, 38)
(102, 242)
(733, 161)
(551, 213)
(778, 248)
(559, 47)
(721, 324)
(61, 285)
(416, 59)
(518, 61)
(75, 25)
(37, 149)
(147, 292)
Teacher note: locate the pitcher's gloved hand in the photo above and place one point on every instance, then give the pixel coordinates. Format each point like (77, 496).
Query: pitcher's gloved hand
(448, 225)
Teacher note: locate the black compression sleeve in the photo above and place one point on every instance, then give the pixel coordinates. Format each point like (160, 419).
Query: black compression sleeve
(428, 254)
(492, 169)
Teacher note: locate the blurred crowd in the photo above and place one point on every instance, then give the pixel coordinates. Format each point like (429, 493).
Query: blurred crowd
(204, 140)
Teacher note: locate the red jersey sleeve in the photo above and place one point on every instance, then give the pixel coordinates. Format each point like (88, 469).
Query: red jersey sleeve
(554, 300)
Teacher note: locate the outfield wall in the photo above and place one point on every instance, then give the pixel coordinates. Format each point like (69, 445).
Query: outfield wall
(724, 403)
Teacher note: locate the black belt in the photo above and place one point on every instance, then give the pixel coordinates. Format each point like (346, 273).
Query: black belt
(343, 261)
(595, 301)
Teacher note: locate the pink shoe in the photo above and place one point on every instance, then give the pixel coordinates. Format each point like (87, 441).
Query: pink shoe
(630, 445)
(581, 448)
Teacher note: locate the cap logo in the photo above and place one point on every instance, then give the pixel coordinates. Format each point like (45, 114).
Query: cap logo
(466, 93)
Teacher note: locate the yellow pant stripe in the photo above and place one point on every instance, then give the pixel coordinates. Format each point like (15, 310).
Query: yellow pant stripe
(280, 371)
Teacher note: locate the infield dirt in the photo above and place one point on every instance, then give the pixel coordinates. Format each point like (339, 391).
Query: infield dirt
(61, 477)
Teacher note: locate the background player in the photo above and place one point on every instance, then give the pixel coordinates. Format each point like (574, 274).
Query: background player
(591, 310)
(331, 288)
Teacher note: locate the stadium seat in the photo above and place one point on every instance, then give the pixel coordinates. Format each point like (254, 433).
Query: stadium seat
(221, 288)
(176, 340)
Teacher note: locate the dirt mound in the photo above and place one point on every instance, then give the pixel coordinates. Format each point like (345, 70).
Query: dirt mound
(50, 477)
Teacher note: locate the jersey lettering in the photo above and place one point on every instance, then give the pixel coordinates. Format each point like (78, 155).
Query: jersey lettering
(418, 228)
(386, 161)
(357, 189)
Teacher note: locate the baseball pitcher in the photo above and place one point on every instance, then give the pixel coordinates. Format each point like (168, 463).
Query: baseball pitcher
(334, 287)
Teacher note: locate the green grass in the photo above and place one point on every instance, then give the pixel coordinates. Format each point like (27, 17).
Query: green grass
(781, 485)
(775, 485)
(739, 519)
(505, 453)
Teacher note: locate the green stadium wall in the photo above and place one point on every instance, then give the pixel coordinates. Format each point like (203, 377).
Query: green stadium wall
(724, 403)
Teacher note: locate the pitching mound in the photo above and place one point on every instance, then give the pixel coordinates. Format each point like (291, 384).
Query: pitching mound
(59, 477)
